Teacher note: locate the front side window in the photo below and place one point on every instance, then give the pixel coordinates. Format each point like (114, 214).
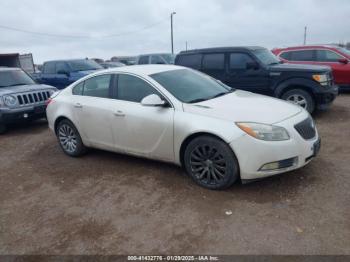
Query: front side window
(192, 61)
(83, 65)
(97, 86)
(238, 61)
(133, 89)
(327, 56)
(189, 86)
(214, 61)
(61, 67)
(49, 67)
(14, 78)
(143, 60)
(302, 55)
(265, 56)
(156, 59)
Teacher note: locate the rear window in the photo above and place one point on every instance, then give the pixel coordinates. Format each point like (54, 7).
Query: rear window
(192, 61)
(214, 61)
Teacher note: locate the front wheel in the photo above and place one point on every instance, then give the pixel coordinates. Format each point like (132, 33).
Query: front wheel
(69, 139)
(211, 163)
(301, 98)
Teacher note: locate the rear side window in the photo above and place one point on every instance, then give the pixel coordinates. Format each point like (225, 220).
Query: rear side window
(302, 55)
(61, 67)
(214, 61)
(143, 60)
(133, 89)
(156, 59)
(49, 68)
(327, 56)
(78, 89)
(238, 61)
(97, 86)
(192, 61)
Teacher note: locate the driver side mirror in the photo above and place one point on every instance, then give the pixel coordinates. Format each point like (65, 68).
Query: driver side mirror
(343, 61)
(63, 72)
(153, 100)
(252, 65)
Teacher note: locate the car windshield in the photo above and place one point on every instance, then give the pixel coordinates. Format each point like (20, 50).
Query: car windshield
(266, 57)
(83, 65)
(14, 78)
(345, 51)
(189, 86)
(169, 58)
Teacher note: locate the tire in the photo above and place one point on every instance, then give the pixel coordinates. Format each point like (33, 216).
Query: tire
(3, 129)
(300, 97)
(69, 139)
(211, 163)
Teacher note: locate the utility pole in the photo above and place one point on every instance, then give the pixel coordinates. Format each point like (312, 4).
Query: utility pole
(305, 35)
(186, 45)
(172, 33)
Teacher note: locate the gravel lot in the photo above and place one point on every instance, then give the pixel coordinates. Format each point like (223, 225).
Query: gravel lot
(115, 204)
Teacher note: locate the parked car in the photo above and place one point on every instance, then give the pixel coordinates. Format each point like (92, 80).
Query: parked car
(257, 70)
(336, 57)
(21, 99)
(127, 60)
(107, 65)
(182, 116)
(156, 59)
(61, 73)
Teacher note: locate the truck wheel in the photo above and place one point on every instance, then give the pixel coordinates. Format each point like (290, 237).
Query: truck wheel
(301, 98)
(2, 129)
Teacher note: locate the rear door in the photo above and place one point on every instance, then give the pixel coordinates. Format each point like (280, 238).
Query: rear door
(242, 77)
(48, 74)
(214, 65)
(93, 108)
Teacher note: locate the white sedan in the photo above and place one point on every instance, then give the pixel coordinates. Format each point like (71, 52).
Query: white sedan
(182, 116)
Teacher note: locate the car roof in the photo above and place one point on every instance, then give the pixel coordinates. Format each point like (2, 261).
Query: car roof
(155, 54)
(307, 47)
(9, 68)
(222, 49)
(141, 69)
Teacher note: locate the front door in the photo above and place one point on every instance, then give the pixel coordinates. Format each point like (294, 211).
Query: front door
(141, 130)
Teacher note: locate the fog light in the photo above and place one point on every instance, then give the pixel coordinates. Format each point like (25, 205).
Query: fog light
(25, 115)
(280, 164)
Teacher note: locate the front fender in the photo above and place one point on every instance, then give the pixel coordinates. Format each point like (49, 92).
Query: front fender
(309, 84)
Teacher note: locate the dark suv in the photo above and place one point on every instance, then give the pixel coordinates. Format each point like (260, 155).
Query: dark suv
(257, 70)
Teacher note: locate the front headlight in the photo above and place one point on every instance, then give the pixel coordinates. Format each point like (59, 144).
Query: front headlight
(10, 100)
(322, 79)
(263, 131)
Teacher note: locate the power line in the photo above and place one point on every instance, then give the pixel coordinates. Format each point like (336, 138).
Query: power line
(80, 36)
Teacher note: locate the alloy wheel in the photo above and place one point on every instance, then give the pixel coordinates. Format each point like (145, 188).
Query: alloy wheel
(298, 100)
(208, 165)
(67, 138)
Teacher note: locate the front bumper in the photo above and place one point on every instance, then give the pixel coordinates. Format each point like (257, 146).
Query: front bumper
(326, 97)
(8, 116)
(252, 153)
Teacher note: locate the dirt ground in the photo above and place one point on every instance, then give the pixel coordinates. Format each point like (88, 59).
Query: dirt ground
(105, 203)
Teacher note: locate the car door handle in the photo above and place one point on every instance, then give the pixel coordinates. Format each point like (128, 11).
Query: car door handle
(119, 113)
(78, 105)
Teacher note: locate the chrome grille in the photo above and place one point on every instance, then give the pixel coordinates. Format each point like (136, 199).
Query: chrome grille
(37, 97)
(306, 128)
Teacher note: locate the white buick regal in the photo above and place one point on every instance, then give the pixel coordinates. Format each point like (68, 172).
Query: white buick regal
(182, 116)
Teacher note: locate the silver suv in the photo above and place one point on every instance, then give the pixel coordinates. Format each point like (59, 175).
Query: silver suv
(21, 99)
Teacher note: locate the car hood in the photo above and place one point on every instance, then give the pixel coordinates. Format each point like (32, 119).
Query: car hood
(299, 68)
(24, 88)
(242, 106)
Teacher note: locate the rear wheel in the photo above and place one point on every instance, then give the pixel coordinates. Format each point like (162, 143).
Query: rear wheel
(301, 98)
(211, 163)
(69, 139)
(2, 129)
